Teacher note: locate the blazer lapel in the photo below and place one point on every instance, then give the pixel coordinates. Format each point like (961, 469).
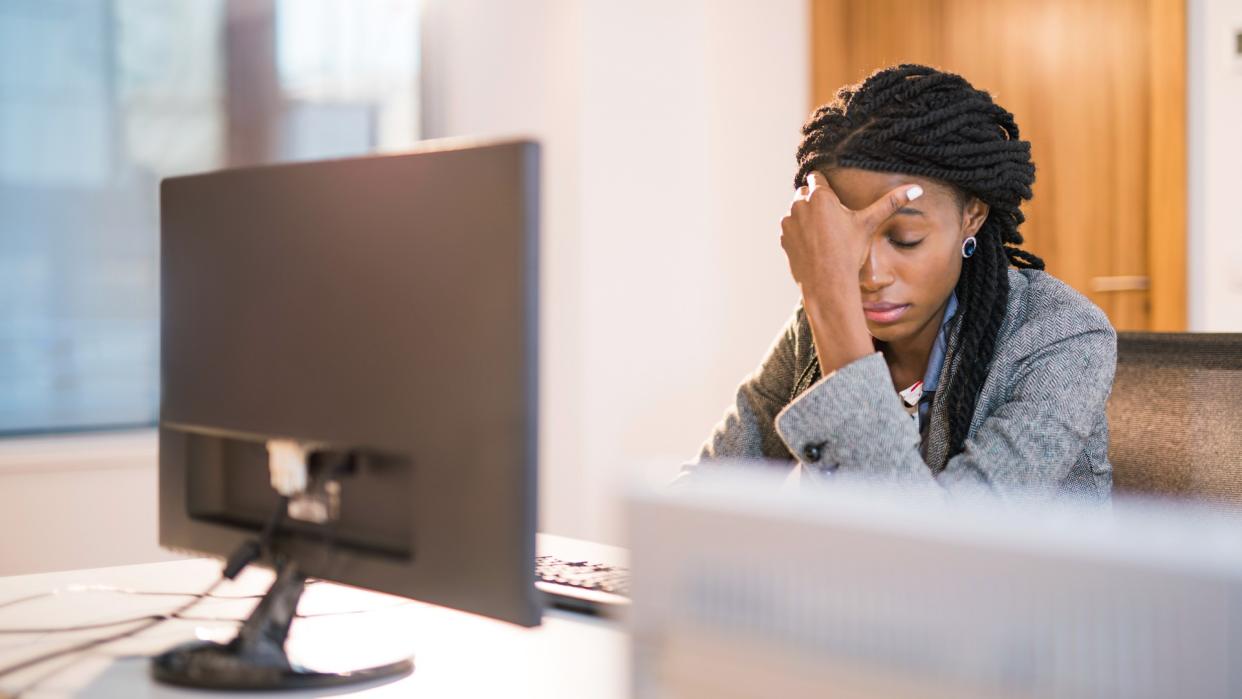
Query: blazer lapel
(937, 451)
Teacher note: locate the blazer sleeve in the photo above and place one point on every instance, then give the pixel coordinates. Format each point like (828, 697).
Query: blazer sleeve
(1023, 449)
(747, 430)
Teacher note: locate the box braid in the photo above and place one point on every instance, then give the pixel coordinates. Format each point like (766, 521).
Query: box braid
(920, 121)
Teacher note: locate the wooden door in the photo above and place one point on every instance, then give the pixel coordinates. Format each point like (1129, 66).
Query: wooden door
(1096, 86)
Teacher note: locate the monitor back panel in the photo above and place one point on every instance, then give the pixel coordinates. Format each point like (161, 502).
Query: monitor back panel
(382, 305)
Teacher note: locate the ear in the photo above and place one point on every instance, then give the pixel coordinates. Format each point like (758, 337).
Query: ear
(973, 215)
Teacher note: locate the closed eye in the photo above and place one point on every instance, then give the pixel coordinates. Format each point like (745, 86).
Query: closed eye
(906, 245)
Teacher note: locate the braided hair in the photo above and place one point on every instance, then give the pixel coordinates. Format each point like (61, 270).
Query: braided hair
(920, 121)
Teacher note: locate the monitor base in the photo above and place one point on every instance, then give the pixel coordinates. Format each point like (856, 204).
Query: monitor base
(255, 659)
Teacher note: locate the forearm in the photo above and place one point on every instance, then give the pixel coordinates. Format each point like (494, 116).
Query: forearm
(838, 325)
(853, 425)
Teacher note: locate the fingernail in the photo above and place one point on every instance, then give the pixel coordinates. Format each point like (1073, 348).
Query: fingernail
(914, 192)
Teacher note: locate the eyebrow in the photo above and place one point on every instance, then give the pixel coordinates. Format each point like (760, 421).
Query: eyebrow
(909, 211)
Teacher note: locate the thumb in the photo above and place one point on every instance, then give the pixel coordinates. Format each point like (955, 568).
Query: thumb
(884, 207)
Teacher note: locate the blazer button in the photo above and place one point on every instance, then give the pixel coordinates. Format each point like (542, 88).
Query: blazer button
(812, 452)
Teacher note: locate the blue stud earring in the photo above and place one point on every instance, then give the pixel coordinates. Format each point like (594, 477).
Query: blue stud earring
(968, 246)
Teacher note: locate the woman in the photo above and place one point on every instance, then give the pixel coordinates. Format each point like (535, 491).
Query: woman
(917, 356)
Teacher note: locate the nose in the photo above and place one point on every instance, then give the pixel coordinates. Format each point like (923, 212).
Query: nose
(875, 273)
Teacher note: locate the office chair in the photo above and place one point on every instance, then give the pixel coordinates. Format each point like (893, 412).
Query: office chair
(1175, 416)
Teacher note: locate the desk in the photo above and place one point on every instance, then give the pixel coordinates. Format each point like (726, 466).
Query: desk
(455, 654)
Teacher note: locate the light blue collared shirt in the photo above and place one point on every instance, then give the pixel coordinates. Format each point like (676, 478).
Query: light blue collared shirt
(931, 377)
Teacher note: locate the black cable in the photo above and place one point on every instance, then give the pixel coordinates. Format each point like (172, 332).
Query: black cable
(166, 617)
(84, 627)
(156, 618)
(254, 548)
(27, 598)
(243, 556)
(35, 681)
(74, 589)
(87, 645)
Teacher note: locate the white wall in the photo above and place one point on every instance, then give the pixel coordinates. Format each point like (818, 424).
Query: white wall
(78, 502)
(1214, 121)
(670, 128)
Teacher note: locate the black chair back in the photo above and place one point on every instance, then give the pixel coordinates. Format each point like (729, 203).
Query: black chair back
(1175, 416)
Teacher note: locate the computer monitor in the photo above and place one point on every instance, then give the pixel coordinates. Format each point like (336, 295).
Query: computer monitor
(361, 334)
(745, 585)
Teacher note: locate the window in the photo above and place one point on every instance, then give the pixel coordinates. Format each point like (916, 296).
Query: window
(98, 102)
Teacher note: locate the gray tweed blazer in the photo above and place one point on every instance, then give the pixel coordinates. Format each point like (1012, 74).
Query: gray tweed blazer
(1039, 430)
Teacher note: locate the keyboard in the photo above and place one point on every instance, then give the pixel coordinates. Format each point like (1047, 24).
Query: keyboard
(584, 575)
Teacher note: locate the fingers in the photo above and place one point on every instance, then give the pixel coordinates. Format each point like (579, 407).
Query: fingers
(815, 189)
(817, 185)
(889, 204)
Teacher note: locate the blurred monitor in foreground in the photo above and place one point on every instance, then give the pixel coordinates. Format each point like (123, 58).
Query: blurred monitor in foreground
(349, 385)
(744, 588)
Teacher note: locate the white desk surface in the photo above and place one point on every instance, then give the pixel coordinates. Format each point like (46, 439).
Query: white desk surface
(455, 654)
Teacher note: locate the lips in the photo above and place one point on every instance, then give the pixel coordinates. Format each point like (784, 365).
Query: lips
(884, 313)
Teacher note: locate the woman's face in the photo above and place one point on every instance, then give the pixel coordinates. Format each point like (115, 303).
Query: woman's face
(915, 258)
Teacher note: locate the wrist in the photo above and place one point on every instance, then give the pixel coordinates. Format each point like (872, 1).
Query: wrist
(825, 298)
(837, 310)
(838, 326)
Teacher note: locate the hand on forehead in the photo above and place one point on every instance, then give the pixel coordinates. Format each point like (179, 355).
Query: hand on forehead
(870, 213)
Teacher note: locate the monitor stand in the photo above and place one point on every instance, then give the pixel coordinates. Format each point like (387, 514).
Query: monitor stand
(255, 659)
